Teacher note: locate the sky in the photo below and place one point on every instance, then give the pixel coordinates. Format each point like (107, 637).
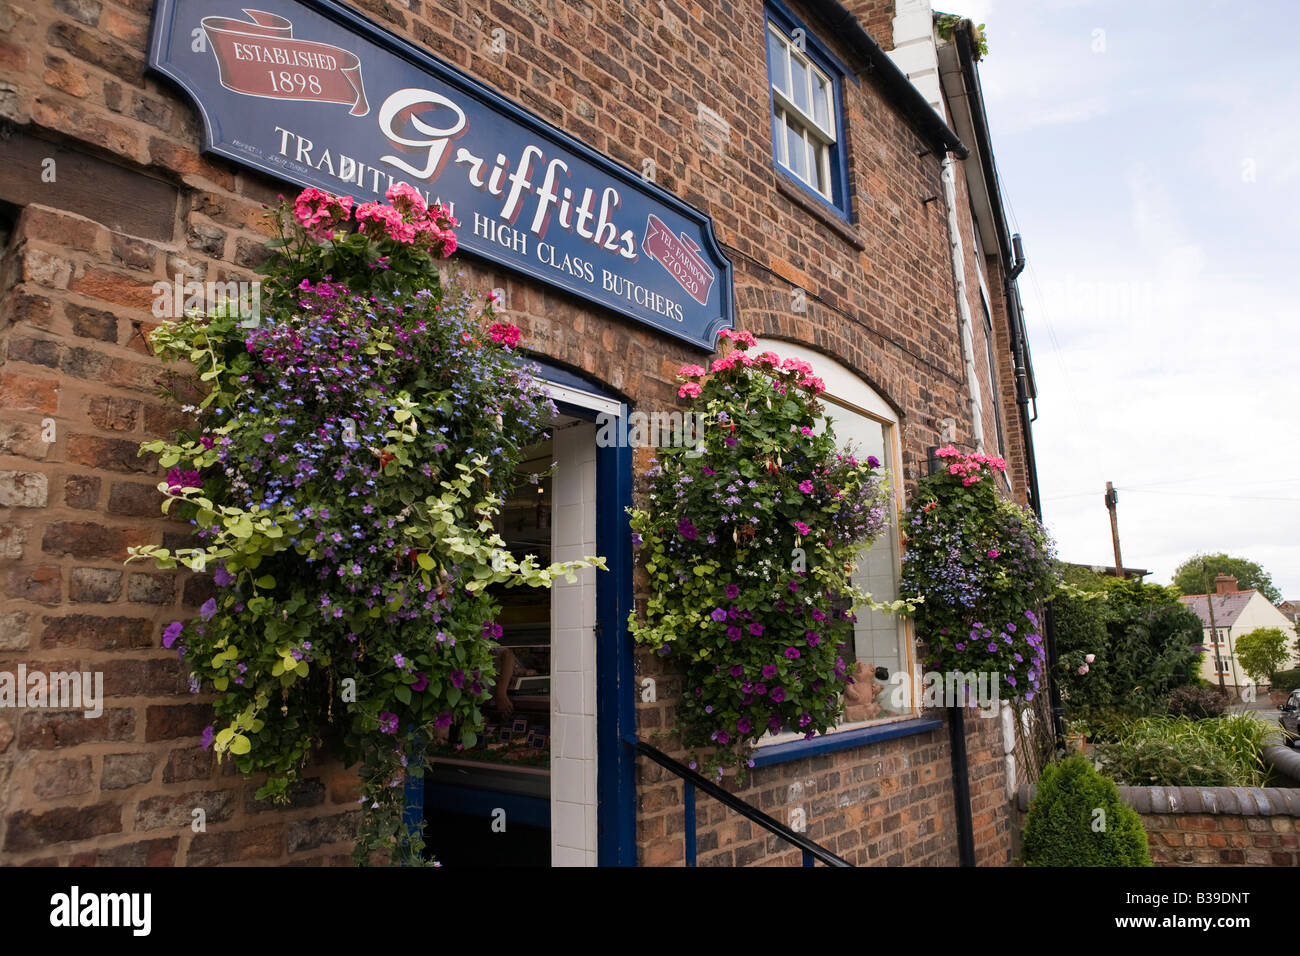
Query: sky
(1150, 157)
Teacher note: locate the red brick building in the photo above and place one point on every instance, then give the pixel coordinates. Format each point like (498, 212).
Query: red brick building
(864, 230)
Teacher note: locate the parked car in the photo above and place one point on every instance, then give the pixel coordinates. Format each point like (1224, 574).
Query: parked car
(1290, 718)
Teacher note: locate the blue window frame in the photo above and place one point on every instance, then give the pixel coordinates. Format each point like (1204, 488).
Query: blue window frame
(805, 93)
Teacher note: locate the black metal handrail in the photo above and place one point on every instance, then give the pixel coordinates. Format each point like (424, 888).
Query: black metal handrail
(691, 780)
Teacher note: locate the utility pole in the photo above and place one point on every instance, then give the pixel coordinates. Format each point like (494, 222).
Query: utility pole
(1112, 498)
(1214, 631)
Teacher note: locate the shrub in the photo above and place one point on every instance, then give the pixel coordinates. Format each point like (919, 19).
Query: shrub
(1078, 819)
(1183, 752)
(1144, 644)
(1197, 702)
(1286, 680)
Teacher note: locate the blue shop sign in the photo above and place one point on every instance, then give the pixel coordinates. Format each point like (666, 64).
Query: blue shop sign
(313, 93)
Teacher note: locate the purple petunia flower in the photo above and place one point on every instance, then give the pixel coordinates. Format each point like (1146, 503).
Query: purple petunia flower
(769, 670)
(719, 614)
(734, 633)
(731, 591)
(208, 734)
(756, 629)
(172, 632)
(778, 694)
(421, 682)
(458, 679)
(221, 577)
(792, 653)
(209, 609)
(744, 725)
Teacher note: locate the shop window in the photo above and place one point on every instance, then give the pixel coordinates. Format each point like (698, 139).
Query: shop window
(882, 643)
(805, 86)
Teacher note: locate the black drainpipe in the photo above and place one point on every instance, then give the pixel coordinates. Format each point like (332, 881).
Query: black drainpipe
(961, 786)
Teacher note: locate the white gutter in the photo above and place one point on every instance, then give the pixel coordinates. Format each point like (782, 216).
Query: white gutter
(963, 303)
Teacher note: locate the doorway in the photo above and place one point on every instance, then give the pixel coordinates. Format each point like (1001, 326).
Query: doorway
(526, 794)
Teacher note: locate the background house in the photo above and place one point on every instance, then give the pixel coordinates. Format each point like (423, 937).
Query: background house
(1235, 613)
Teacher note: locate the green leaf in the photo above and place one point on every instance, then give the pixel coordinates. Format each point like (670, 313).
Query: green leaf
(426, 562)
(240, 744)
(402, 693)
(265, 581)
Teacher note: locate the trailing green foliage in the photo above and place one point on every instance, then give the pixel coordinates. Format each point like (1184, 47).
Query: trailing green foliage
(348, 459)
(1078, 819)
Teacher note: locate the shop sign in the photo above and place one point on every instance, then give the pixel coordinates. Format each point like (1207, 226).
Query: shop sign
(311, 92)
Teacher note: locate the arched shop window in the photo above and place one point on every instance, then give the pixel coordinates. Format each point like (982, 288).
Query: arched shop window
(881, 642)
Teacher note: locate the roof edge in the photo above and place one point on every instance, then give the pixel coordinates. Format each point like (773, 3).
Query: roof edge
(897, 87)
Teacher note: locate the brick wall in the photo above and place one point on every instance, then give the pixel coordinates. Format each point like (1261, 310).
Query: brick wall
(1219, 826)
(890, 804)
(627, 78)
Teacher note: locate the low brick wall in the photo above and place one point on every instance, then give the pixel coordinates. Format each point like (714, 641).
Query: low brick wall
(1219, 826)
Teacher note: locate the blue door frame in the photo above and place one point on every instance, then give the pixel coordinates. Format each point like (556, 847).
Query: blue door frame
(615, 677)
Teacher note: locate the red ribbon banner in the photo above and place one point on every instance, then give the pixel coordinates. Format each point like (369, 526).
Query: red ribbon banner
(262, 58)
(680, 257)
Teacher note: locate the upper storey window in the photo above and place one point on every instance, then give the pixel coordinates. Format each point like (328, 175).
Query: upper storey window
(807, 140)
